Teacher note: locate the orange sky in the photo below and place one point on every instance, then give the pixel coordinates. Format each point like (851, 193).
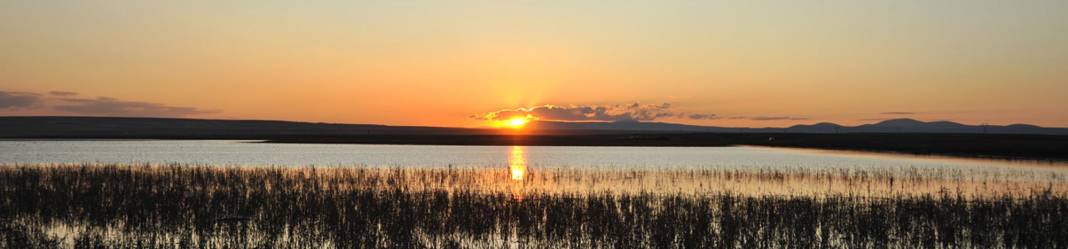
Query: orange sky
(439, 63)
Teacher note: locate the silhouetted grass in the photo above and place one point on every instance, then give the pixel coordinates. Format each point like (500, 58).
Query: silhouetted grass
(180, 206)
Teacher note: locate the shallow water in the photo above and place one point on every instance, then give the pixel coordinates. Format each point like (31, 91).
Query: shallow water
(523, 196)
(185, 206)
(251, 153)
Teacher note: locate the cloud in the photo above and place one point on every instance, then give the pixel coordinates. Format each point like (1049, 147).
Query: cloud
(774, 118)
(628, 112)
(68, 103)
(18, 100)
(767, 118)
(62, 93)
(703, 116)
(111, 106)
(899, 113)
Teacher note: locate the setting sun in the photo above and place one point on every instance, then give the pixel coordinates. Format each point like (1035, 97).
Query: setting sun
(518, 122)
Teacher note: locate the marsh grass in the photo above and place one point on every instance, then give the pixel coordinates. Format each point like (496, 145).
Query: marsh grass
(183, 206)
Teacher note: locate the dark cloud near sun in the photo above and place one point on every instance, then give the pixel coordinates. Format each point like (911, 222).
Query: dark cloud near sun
(626, 112)
(18, 100)
(67, 103)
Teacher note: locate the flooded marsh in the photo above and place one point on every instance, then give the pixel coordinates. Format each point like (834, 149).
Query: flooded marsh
(186, 206)
(233, 194)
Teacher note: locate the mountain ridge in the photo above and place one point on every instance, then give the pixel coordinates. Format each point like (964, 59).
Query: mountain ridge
(123, 127)
(901, 125)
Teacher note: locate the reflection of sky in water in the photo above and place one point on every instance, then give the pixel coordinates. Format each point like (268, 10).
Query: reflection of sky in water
(243, 153)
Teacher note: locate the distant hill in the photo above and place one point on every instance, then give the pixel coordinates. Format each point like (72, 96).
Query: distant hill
(916, 126)
(887, 126)
(114, 127)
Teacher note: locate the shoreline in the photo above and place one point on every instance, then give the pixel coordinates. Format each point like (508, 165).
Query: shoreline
(1042, 148)
(984, 146)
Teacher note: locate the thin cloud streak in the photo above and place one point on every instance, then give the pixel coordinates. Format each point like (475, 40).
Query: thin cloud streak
(767, 118)
(702, 116)
(63, 93)
(18, 100)
(111, 106)
(65, 103)
(776, 118)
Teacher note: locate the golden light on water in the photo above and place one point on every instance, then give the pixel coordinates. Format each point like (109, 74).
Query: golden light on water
(517, 163)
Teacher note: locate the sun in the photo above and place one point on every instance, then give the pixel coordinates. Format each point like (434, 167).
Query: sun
(517, 122)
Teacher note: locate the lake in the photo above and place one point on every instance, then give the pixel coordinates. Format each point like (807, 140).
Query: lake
(254, 153)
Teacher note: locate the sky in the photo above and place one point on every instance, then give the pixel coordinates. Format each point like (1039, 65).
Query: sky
(467, 63)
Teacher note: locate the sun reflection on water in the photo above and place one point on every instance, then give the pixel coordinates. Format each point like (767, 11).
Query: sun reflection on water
(517, 168)
(517, 163)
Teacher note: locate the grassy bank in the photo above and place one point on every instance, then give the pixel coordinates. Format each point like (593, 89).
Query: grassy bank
(102, 206)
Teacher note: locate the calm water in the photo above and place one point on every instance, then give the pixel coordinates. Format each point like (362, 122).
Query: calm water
(215, 152)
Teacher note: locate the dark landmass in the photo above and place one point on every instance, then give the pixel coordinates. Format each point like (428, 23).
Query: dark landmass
(900, 135)
(887, 126)
(173, 128)
(117, 127)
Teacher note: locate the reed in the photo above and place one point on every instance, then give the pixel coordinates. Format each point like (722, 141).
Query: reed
(188, 206)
